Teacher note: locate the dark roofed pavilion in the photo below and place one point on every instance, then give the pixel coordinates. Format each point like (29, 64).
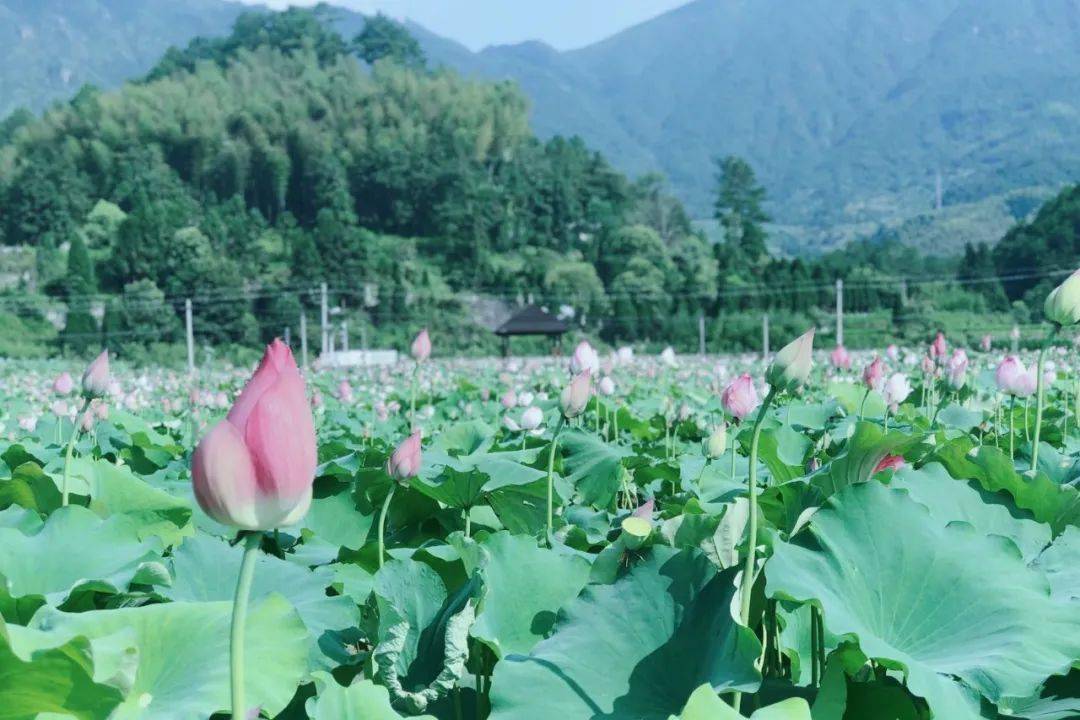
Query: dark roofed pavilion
(531, 320)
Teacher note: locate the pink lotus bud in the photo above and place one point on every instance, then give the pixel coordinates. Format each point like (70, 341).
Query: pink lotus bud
(668, 357)
(255, 468)
(715, 445)
(625, 354)
(889, 462)
(939, 348)
(575, 397)
(531, 418)
(316, 399)
(508, 399)
(956, 369)
(986, 343)
(892, 352)
(874, 374)
(95, 381)
(584, 358)
(86, 422)
(929, 367)
(791, 367)
(421, 346)
(344, 392)
(896, 390)
(101, 410)
(645, 510)
(740, 398)
(1026, 384)
(525, 399)
(840, 358)
(63, 384)
(1008, 373)
(404, 463)
(607, 386)
(60, 408)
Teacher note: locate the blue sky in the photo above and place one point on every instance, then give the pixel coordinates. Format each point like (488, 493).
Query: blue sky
(564, 24)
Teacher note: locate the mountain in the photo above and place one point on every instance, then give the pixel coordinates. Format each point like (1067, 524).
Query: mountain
(51, 48)
(849, 110)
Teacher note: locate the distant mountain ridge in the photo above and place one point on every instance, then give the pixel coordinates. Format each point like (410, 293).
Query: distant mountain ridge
(848, 109)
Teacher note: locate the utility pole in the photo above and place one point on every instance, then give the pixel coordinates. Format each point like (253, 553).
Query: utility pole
(345, 335)
(1015, 335)
(288, 336)
(765, 336)
(701, 331)
(303, 338)
(190, 332)
(839, 311)
(903, 292)
(324, 316)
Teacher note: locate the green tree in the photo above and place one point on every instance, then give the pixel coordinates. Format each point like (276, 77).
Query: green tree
(80, 328)
(384, 38)
(738, 207)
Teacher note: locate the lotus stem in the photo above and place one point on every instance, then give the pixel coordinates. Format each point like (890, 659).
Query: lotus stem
(1012, 429)
(551, 483)
(239, 618)
(70, 451)
(1039, 399)
(382, 523)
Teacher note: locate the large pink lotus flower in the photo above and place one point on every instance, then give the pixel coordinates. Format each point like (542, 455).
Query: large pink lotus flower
(840, 358)
(95, 381)
(255, 468)
(740, 397)
(404, 462)
(421, 346)
(584, 358)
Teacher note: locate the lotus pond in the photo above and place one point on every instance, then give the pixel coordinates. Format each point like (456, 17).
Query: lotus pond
(912, 556)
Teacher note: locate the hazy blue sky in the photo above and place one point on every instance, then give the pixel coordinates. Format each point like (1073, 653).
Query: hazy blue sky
(564, 24)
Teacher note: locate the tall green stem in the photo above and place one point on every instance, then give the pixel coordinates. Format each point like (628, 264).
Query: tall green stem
(239, 617)
(412, 398)
(1012, 429)
(1039, 399)
(551, 483)
(751, 549)
(71, 450)
(382, 523)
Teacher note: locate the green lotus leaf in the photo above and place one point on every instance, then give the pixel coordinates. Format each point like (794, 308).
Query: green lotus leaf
(1048, 502)
(666, 628)
(524, 587)
(1061, 563)
(183, 654)
(363, 700)
(593, 466)
(909, 588)
(865, 449)
(37, 676)
(705, 704)
(954, 500)
(115, 490)
(205, 570)
(73, 549)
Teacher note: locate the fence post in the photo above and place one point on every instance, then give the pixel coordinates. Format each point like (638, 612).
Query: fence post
(839, 311)
(190, 332)
(1015, 335)
(324, 313)
(345, 335)
(303, 338)
(701, 332)
(288, 336)
(765, 336)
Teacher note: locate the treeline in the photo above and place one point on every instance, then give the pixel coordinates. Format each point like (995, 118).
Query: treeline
(242, 172)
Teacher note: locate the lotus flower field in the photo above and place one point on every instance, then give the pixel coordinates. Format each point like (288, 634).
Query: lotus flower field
(825, 534)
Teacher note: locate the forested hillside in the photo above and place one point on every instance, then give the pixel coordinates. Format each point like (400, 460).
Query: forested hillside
(245, 171)
(849, 110)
